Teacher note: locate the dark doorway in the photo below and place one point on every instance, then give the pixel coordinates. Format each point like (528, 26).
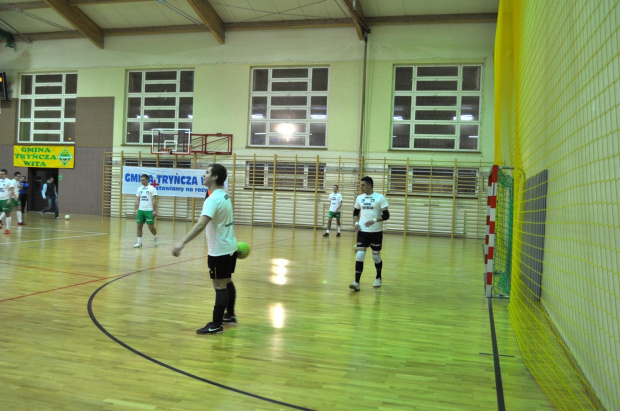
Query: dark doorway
(36, 178)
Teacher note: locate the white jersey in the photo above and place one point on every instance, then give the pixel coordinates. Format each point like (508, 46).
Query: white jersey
(370, 207)
(146, 194)
(220, 231)
(5, 189)
(16, 187)
(335, 200)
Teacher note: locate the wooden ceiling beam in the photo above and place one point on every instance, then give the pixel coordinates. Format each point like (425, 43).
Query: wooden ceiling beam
(434, 19)
(357, 17)
(79, 20)
(209, 17)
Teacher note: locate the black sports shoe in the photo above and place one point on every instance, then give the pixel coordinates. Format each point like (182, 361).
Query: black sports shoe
(211, 328)
(338, 235)
(326, 235)
(229, 319)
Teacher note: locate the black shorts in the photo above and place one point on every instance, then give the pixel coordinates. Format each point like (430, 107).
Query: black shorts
(222, 266)
(372, 240)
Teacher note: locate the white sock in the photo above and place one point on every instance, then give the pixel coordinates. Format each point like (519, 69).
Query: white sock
(338, 228)
(8, 223)
(2, 215)
(327, 231)
(155, 237)
(139, 240)
(19, 217)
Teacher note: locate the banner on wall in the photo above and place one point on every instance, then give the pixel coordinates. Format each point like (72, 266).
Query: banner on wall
(169, 182)
(44, 156)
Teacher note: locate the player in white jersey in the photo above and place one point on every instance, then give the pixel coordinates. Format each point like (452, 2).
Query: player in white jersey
(6, 194)
(15, 201)
(335, 202)
(217, 217)
(145, 209)
(369, 213)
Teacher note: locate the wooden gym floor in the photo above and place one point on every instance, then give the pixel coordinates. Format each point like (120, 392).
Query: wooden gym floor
(88, 322)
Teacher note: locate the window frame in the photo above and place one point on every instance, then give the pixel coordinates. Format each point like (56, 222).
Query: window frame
(304, 176)
(434, 181)
(135, 126)
(62, 126)
(297, 130)
(415, 134)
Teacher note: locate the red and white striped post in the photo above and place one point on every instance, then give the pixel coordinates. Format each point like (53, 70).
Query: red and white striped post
(489, 242)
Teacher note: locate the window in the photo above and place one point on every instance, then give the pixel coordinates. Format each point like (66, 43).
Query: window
(47, 107)
(287, 176)
(436, 107)
(288, 107)
(433, 181)
(158, 99)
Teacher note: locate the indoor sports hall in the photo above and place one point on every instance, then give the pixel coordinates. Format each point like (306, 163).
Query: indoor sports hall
(490, 126)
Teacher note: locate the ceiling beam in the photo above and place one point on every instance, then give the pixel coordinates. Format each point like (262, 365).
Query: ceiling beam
(209, 17)
(355, 10)
(79, 20)
(434, 19)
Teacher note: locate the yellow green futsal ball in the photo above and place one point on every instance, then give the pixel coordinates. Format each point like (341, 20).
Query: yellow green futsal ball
(243, 250)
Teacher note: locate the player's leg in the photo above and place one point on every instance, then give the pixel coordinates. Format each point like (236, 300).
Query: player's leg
(376, 246)
(338, 224)
(140, 220)
(362, 244)
(150, 223)
(219, 271)
(329, 224)
(48, 205)
(8, 218)
(229, 316)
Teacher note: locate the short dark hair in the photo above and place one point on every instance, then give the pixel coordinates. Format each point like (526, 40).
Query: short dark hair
(145, 175)
(17, 173)
(336, 185)
(219, 171)
(368, 180)
(3, 171)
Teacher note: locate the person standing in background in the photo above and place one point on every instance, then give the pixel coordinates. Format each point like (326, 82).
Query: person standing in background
(23, 194)
(50, 193)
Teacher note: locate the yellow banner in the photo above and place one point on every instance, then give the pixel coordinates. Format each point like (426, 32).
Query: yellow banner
(44, 156)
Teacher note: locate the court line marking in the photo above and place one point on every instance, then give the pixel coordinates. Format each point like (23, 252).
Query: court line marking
(160, 363)
(499, 388)
(52, 238)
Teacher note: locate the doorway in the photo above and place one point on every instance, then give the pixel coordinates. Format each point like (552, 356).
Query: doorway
(36, 178)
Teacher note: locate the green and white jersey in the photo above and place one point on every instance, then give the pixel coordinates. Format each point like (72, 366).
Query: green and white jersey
(220, 231)
(146, 194)
(16, 187)
(335, 199)
(5, 189)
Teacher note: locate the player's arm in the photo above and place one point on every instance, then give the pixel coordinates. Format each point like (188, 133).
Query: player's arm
(385, 215)
(196, 229)
(154, 205)
(136, 204)
(356, 218)
(44, 190)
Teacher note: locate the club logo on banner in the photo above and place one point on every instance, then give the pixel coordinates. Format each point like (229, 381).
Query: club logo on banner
(169, 182)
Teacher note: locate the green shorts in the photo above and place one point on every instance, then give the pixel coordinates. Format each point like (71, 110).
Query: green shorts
(15, 202)
(5, 206)
(145, 216)
(333, 214)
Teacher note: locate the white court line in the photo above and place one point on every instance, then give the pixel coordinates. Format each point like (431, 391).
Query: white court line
(53, 238)
(57, 230)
